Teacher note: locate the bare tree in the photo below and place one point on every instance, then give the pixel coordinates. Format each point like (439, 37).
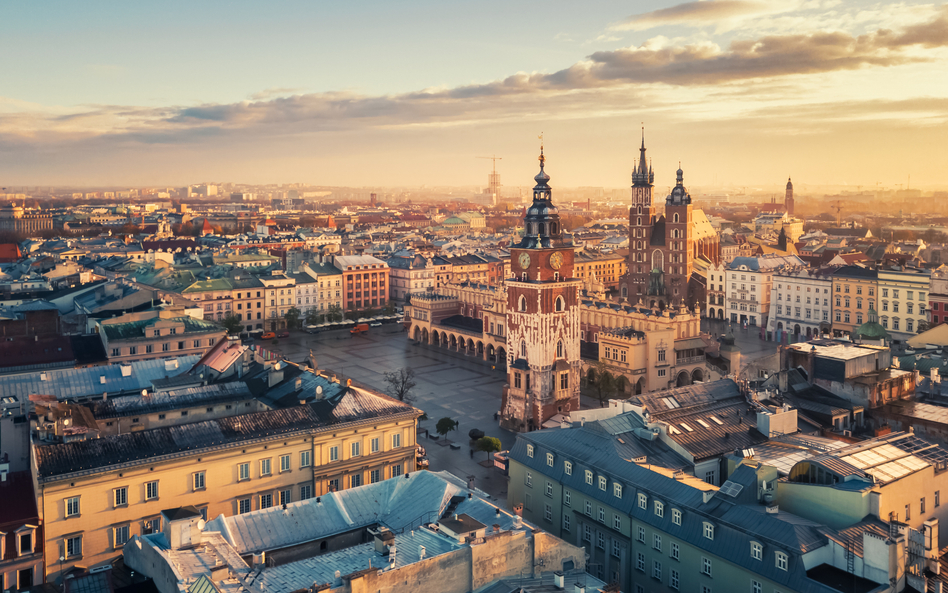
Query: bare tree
(400, 383)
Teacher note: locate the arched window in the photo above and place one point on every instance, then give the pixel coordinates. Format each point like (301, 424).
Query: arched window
(638, 221)
(542, 229)
(522, 303)
(559, 349)
(560, 304)
(658, 260)
(552, 228)
(523, 349)
(640, 210)
(676, 217)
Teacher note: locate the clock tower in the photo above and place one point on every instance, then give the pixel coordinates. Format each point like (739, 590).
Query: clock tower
(543, 320)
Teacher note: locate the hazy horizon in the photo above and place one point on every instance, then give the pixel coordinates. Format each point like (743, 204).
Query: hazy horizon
(743, 93)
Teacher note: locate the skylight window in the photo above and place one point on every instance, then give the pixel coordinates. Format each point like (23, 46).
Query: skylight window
(715, 420)
(703, 423)
(686, 427)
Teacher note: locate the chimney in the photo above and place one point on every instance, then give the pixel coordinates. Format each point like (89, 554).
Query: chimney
(559, 579)
(275, 375)
(579, 588)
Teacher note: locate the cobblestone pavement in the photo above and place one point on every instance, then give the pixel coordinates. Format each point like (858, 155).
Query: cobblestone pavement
(449, 385)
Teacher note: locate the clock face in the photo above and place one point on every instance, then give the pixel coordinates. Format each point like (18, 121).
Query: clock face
(556, 260)
(524, 260)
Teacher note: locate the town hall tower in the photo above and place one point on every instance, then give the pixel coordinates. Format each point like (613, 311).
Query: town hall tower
(543, 319)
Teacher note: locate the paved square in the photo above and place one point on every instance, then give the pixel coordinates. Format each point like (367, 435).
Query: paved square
(448, 385)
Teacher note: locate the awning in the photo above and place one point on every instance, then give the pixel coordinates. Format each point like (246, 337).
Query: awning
(690, 344)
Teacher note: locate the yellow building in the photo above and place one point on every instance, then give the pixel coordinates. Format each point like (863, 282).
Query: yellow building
(854, 293)
(607, 268)
(157, 334)
(93, 495)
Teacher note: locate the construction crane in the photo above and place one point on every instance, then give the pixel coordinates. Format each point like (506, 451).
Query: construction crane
(494, 159)
(493, 181)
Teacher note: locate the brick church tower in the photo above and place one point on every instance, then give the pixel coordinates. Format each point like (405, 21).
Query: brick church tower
(788, 200)
(543, 319)
(661, 246)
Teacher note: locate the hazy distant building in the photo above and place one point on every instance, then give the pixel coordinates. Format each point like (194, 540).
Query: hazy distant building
(788, 200)
(13, 218)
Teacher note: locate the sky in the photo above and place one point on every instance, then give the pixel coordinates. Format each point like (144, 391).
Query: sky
(410, 93)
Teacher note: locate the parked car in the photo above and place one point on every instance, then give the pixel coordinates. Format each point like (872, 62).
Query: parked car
(284, 334)
(247, 341)
(359, 328)
(268, 336)
(376, 324)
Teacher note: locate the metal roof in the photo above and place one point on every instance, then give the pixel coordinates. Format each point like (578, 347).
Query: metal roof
(94, 381)
(130, 405)
(736, 524)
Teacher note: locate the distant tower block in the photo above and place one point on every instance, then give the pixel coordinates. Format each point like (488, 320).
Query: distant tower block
(373, 199)
(788, 201)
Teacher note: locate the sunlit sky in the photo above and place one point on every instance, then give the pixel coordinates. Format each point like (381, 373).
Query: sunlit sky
(741, 92)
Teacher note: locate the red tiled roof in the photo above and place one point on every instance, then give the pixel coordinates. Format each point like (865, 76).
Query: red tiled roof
(9, 252)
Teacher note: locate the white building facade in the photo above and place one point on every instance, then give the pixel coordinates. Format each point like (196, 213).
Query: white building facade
(801, 303)
(747, 286)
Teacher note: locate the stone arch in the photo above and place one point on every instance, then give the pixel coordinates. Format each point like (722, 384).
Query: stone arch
(796, 329)
(779, 325)
(469, 349)
(683, 379)
(809, 333)
(480, 349)
(416, 335)
(622, 384)
(591, 376)
(454, 342)
(491, 352)
(639, 386)
(502, 356)
(697, 375)
(424, 335)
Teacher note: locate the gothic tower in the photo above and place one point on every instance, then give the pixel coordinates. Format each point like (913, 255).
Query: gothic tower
(543, 319)
(641, 218)
(679, 242)
(788, 201)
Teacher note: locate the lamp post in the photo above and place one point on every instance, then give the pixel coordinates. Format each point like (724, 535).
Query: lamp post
(62, 579)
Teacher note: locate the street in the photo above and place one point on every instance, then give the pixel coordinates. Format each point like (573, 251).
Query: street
(748, 340)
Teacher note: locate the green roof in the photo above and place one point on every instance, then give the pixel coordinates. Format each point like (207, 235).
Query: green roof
(136, 329)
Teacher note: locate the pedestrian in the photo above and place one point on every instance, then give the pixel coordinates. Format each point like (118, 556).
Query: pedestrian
(472, 453)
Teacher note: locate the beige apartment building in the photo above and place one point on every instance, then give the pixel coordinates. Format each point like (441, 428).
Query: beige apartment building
(606, 268)
(94, 495)
(279, 297)
(854, 293)
(247, 297)
(159, 333)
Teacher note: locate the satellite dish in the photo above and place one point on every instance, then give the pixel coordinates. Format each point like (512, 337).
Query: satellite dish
(144, 392)
(201, 524)
(319, 389)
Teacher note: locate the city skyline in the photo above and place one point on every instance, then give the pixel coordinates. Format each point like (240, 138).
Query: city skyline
(741, 92)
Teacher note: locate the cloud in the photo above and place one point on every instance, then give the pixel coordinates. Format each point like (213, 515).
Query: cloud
(691, 13)
(606, 82)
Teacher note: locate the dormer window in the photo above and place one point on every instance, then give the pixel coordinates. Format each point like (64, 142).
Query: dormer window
(24, 540)
(709, 530)
(530, 451)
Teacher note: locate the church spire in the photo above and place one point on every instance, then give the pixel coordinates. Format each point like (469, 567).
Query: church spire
(642, 173)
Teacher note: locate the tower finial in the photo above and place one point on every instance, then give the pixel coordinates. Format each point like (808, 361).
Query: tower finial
(643, 134)
(541, 149)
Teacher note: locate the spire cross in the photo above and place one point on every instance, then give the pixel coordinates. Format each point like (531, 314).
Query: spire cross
(541, 149)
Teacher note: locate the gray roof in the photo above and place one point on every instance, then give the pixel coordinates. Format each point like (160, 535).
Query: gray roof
(130, 405)
(735, 524)
(396, 503)
(135, 448)
(87, 382)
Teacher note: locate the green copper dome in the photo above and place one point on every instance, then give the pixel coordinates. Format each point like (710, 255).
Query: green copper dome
(872, 329)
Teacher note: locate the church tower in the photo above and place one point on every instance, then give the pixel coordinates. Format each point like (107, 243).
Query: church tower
(641, 218)
(543, 319)
(788, 201)
(678, 239)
